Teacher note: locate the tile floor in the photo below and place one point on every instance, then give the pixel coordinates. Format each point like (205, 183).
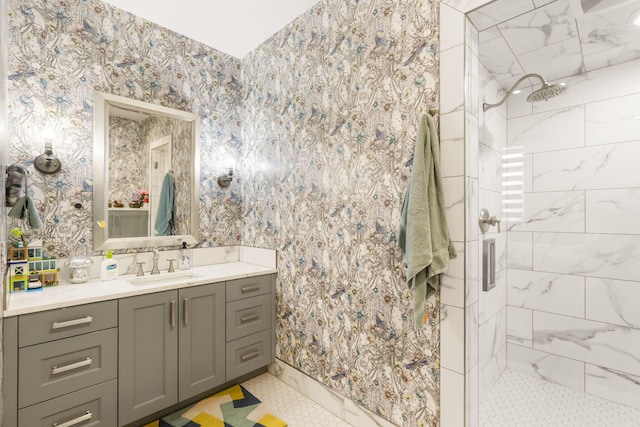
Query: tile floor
(290, 405)
(519, 400)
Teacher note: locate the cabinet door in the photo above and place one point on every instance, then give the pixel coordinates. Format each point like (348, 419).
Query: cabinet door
(202, 339)
(148, 357)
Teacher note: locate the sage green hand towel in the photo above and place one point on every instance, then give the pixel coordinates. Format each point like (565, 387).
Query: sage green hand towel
(25, 209)
(424, 235)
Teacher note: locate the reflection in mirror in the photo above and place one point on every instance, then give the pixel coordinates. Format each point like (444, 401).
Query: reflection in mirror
(146, 174)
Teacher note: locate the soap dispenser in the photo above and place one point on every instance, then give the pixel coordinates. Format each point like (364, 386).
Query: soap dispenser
(185, 260)
(109, 268)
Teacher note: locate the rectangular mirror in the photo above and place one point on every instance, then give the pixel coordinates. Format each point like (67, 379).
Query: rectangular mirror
(146, 174)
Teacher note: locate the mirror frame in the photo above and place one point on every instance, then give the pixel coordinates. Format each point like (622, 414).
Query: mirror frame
(101, 241)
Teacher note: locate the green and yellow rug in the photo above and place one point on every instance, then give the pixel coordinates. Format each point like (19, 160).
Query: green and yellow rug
(233, 407)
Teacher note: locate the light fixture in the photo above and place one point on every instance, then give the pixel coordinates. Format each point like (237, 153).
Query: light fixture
(47, 162)
(224, 180)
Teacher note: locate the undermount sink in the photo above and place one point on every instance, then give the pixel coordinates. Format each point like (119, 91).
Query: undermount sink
(164, 278)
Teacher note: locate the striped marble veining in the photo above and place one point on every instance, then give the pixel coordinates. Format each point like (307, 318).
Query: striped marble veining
(598, 255)
(598, 343)
(550, 292)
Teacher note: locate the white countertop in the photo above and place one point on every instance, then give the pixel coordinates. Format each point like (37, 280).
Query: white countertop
(95, 290)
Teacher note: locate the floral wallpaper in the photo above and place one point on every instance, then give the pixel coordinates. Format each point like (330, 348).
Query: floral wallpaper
(323, 116)
(60, 51)
(128, 170)
(332, 102)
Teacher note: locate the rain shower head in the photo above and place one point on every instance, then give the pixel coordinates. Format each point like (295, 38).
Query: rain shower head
(546, 92)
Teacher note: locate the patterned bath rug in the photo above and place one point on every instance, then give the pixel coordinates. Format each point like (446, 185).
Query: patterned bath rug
(233, 407)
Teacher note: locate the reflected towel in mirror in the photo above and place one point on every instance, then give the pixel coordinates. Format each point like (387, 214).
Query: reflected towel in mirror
(166, 207)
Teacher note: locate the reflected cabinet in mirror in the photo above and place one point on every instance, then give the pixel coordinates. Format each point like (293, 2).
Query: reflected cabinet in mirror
(145, 173)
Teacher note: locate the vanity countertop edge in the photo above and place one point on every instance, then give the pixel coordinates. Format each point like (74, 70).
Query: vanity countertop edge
(96, 290)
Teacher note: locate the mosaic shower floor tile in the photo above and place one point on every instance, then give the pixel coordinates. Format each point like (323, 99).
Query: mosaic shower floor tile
(519, 400)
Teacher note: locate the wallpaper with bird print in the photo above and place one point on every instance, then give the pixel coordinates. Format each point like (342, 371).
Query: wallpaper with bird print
(331, 104)
(60, 52)
(321, 119)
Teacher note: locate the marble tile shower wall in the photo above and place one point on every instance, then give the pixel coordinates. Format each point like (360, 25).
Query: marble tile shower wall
(331, 106)
(492, 317)
(59, 52)
(573, 277)
(452, 146)
(459, 129)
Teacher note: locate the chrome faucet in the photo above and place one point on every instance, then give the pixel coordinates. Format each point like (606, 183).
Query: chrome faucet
(156, 257)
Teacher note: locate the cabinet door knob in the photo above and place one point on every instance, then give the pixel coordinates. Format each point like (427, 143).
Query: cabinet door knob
(247, 289)
(185, 310)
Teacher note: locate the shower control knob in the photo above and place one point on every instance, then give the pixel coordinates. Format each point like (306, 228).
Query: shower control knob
(485, 220)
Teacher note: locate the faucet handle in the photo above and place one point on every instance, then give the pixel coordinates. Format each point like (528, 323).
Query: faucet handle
(171, 268)
(140, 270)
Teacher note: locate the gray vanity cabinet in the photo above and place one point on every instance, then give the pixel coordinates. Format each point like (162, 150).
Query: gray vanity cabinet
(201, 339)
(112, 363)
(60, 367)
(147, 356)
(172, 347)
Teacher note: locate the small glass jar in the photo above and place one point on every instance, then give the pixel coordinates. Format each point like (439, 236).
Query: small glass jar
(79, 266)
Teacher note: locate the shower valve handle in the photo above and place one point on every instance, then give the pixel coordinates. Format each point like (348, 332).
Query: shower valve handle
(485, 220)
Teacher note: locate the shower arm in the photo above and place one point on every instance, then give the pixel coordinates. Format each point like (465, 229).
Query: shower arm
(486, 106)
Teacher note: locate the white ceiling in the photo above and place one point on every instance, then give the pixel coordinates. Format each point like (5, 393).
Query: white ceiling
(554, 38)
(235, 27)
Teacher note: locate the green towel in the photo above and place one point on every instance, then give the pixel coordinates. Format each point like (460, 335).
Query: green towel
(166, 208)
(424, 235)
(25, 209)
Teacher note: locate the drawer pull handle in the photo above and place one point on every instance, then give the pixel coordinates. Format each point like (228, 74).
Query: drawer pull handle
(58, 370)
(75, 421)
(247, 289)
(249, 318)
(74, 322)
(248, 356)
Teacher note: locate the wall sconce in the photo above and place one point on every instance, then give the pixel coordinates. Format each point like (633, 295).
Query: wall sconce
(225, 180)
(47, 162)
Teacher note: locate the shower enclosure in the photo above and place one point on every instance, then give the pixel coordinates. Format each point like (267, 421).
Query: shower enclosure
(560, 175)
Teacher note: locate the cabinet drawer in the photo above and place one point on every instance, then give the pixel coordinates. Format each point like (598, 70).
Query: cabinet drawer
(248, 287)
(94, 406)
(248, 316)
(53, 325)
(248, 354)
(52, 369)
